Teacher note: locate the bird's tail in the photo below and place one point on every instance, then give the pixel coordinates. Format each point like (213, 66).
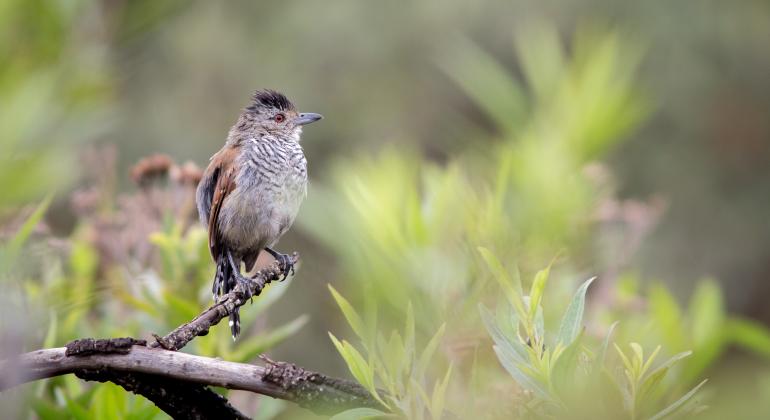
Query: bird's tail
(222, 278)
(235, 323)
(224, 281)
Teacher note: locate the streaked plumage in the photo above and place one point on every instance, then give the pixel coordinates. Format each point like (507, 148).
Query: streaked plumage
(252, 188)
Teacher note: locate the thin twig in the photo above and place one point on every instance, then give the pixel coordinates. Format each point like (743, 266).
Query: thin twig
(200, 325)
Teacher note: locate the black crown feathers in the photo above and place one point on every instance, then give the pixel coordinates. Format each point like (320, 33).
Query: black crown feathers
(270, 99)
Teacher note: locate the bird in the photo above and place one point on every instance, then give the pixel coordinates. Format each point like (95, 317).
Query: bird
(252, 189)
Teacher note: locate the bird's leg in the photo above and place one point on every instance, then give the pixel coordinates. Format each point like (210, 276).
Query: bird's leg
(286, 262)
(237, 277)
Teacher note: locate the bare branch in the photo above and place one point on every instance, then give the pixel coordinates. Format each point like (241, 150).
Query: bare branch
(176, 398)
(278, 379)
(185, 333)
(177, 382)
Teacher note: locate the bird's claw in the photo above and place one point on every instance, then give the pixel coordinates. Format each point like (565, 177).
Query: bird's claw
(286, 263)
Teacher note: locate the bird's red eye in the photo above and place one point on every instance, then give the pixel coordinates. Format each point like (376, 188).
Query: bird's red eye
(279, 118)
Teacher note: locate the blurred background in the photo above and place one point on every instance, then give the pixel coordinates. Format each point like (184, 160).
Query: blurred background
(626, 140)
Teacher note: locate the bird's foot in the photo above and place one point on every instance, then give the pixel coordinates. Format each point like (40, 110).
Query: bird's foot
(285, 261)
(248, 283)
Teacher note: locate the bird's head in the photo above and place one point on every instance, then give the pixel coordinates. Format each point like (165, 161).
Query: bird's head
(272, 113)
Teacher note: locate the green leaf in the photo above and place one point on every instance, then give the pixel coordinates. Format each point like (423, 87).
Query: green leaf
(520, 375)
(409, 346)
(599, 362)
(46, 410)
(510, 344)
(649, 361)
(668, 316)
(539, 322)
(359, 368)
(486, 82)
(750, 335)
(359, 414)
(271, 295)
(76, 410)
(270, 408)
(670, 362)
(626, 362)
(11, 249)
(354, 320)
(706, 312)
(392, 354)
(182, 309)
(671, 409)
(511, 285)
(257, 345)
(430, 349)
(536, 291)
(572, 322)
(439, 395)
(564, 367)
(542, 58)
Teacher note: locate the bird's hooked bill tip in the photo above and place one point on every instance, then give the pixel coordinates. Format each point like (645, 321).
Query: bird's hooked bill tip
(307, 118)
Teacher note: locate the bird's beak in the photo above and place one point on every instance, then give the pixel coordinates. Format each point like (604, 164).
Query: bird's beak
(307, 118)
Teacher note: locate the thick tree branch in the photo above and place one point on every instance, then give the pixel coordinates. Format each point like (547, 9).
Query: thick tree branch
(177, 398)
(177, 382)
(180, 400)
(276, 379)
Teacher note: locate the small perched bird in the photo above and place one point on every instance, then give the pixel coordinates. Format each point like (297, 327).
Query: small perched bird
(251, 191)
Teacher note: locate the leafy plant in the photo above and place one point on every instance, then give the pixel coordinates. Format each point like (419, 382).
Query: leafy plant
(396, 365)
(559, 368)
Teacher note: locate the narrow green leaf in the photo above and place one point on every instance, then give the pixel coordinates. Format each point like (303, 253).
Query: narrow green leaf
(539, 322)
(564, 367)
(572, 321)
(392, 355)
(536, 291)
(439, 396)
(76, 410)
(257, 345)
(511, 285)
(670, 362)
(512, 344)
(671, 409)
(359, 368)
(46, 410)
(430, 349)
(11, 249)
(409, 346)
(668, 317)
(360, 414)
(486, 82)
(649, 361)
(354, 320)
(508, 360)
(20, 238)
(651, 382)
(706, 312)
(599, 362)
(270, 295)
(626, 362)
(750, 335)
(638, 359)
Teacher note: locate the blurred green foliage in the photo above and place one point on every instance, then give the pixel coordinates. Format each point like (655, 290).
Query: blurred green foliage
(406, 231)
(563, 374)
(515, 175)
(396, 364)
